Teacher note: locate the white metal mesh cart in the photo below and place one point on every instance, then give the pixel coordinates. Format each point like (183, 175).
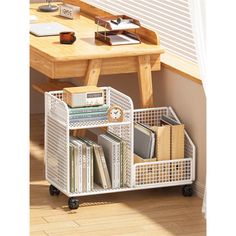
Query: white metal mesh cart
(137, 176)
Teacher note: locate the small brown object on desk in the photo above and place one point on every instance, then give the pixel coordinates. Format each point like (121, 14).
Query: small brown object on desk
(67, 37)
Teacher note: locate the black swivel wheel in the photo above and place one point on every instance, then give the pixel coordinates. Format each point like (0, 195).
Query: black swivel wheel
(73, 203)
(187, 190)
(53, 190)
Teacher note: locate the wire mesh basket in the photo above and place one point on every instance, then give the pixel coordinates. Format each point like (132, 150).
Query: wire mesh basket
(168, 172)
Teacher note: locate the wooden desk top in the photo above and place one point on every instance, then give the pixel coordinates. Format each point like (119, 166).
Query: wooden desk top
(85, 47)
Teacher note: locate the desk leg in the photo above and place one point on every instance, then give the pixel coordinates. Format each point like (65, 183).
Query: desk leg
(91, 78)
(145, 81)
(93, 72)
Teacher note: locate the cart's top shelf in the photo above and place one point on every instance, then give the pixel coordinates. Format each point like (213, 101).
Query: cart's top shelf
(58, 110)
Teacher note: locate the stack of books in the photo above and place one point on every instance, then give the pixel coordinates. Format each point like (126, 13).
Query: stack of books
(164, 142)
(100, 163)
(81, 166)
(91, 113)
(114, 149)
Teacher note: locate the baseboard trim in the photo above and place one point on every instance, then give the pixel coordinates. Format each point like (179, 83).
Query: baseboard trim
(199, 189)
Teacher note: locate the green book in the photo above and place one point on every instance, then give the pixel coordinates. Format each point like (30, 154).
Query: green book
(79, 110)
(87, 115)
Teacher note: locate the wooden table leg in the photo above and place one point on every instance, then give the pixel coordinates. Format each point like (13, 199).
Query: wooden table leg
(93, 72)
(145, 81)
(91, 78)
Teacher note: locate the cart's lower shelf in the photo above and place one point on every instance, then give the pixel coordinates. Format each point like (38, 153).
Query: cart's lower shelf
(99, 190)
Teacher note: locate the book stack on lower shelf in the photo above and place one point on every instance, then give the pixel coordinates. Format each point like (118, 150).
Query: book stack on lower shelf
(100, 163)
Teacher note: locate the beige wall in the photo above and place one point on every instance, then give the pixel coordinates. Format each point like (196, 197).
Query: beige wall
(184, 96)
(188, 100)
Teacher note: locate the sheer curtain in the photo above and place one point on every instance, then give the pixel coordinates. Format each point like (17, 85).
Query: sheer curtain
(197, 8)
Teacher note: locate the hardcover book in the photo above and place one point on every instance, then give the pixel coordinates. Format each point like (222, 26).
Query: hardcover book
(101, 175)
(144, 141)
(162, 146)
(177, 137)
(111, 150)
(79, 110)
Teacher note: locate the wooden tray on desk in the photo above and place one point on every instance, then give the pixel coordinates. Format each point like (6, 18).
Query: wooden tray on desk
(120, 37)
(106, 22)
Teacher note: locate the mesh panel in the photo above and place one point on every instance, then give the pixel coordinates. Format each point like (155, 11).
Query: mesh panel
(56, 153)
(162, 171)
(125, 132)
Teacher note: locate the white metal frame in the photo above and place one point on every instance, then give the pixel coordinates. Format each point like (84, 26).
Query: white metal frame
(57, 131)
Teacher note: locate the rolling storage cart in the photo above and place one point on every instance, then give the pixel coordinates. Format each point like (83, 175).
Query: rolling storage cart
(137, 176)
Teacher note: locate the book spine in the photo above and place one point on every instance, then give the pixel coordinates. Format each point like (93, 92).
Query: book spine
(115, 166)
(84, 171)
(118, 154)
(72, 177)
(121, 163)
(125, 157)
(91, 167)
(80, 165)
(114, 176)
(104, 166)
(88, 170)
(99, 169)
(102, 173)
(88, 118)
(76, 169)
(87, 110)
(88, 115)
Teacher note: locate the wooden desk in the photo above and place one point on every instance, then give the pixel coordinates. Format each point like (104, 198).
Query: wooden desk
(89, 58)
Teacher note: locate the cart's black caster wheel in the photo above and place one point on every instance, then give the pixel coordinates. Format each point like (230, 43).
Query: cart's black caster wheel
(53, 191)
(73, 203)
(187, 190)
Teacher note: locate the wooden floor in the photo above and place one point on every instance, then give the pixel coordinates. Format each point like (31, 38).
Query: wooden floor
(162, 212)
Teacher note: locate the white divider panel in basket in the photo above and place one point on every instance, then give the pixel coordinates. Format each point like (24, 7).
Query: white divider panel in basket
(170, 172)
